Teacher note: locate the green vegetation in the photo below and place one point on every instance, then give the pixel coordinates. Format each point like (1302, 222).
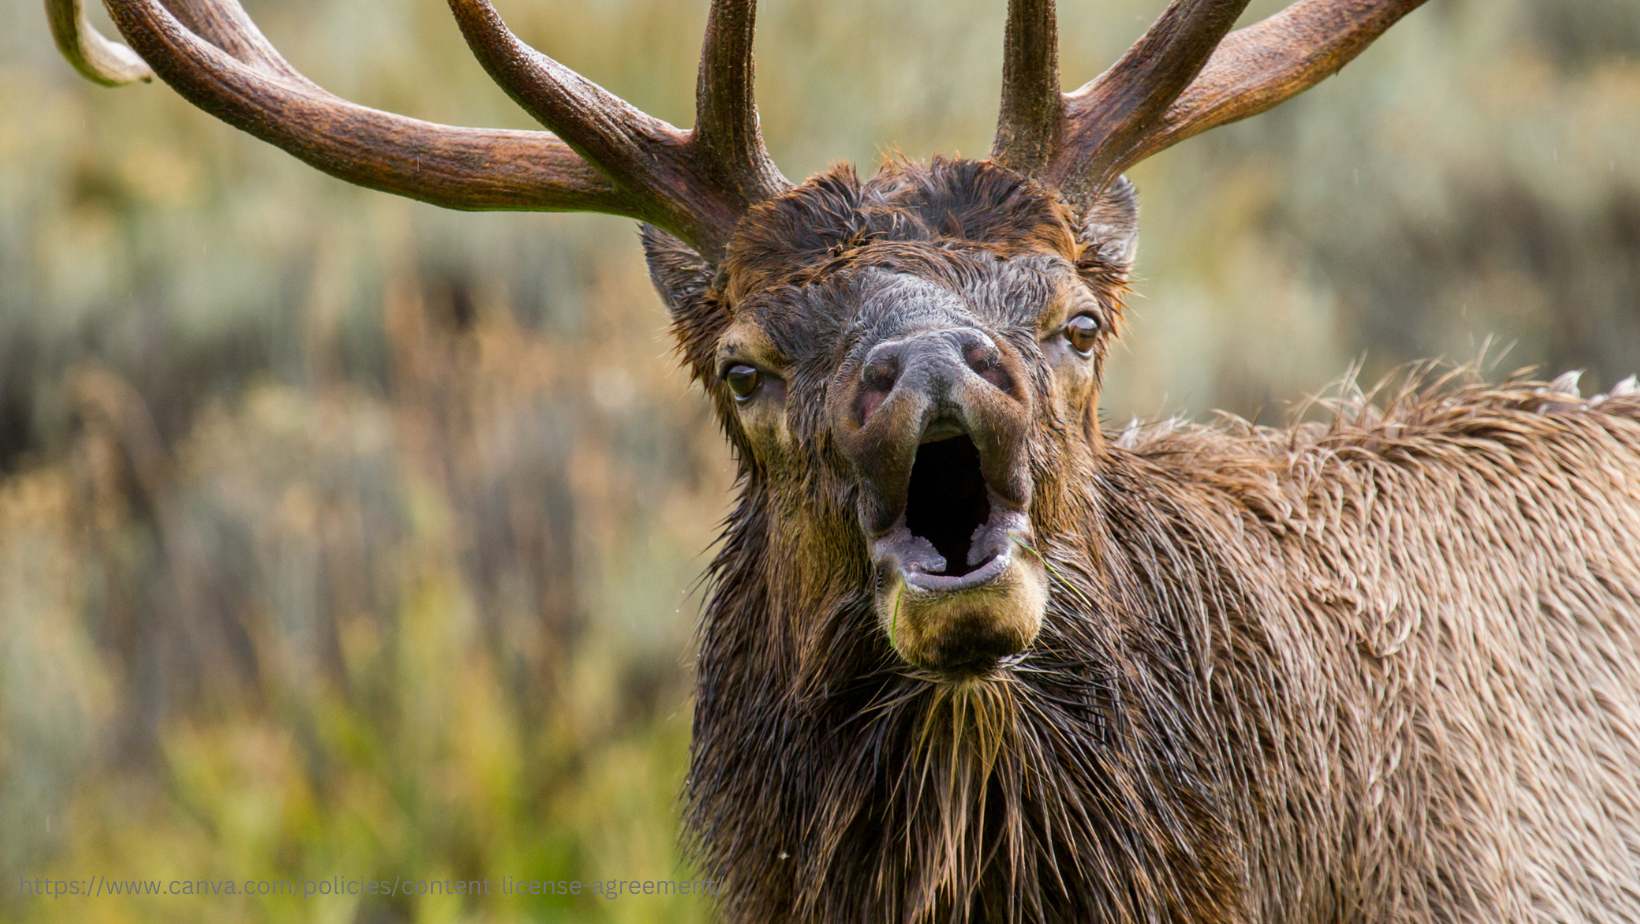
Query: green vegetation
(344, 536)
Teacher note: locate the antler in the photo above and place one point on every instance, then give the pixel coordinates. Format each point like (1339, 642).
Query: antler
(1184, 76)
(108, 63)
(606, 155)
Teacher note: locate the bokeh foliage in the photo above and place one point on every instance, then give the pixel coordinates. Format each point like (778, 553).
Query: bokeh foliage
(342, 535)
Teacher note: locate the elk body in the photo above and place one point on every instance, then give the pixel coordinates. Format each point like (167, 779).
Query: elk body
(966, 655)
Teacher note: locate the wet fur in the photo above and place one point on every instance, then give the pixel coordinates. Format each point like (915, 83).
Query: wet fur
(1377, 668)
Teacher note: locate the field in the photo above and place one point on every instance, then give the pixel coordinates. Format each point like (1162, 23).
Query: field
(341, 536)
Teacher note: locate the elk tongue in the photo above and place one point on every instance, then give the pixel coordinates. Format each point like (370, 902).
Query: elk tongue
(908, 551)
(994, 536)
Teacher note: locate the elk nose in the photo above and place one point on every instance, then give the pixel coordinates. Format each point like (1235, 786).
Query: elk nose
(954, 388)
(931, 364)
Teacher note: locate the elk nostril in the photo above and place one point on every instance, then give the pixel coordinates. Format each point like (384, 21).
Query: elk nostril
(881, 373)
(982, 357)
(979, 351)
(981, 354)
(877, 379)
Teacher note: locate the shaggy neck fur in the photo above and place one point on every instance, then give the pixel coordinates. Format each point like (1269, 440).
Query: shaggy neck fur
(1365, 670)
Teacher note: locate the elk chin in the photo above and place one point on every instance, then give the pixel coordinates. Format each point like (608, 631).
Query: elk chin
(960, 627)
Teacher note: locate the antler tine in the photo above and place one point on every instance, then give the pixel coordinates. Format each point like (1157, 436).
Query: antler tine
(602, 126)
(1187, 74)
(1033, 109)
(726, 123)
(676, 184)
(98, 59)
(1265, 64)
(237, 77)
(1108, 114)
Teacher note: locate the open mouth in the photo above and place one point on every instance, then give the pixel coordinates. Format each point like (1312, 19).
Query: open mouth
(955, 533)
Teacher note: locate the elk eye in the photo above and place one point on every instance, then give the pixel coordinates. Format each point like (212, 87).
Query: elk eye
(1082, 333)
(743, 380)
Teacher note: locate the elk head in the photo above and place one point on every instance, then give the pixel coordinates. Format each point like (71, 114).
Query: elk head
(908, 366)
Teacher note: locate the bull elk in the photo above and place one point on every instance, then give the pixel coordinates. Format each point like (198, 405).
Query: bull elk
(969, 657)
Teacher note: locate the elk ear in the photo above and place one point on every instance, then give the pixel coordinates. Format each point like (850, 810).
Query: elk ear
(1110, 228)
(685, 280)
(680, 275)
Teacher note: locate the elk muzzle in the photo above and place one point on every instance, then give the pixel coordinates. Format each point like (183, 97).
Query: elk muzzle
(936, 426)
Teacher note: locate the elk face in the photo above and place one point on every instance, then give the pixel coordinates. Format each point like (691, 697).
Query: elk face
(932, 408)
(906, 365)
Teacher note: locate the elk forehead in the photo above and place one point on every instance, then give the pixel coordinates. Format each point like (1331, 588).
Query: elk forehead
(904, 216)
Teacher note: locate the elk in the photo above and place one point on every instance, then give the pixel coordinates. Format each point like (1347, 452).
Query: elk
(966, 655)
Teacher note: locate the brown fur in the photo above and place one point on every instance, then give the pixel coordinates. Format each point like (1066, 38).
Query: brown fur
(1379, 668)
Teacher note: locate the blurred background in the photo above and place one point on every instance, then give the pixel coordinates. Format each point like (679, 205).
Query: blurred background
(340, 535)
